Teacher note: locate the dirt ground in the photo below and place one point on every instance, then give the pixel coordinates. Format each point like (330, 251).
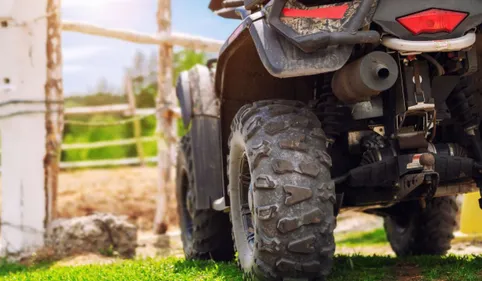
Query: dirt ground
(151, 245)
(131, 191)
(127, 191)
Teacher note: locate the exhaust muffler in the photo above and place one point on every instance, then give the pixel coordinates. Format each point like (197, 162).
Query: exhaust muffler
(364, 78)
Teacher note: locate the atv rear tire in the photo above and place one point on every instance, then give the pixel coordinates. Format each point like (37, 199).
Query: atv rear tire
(205, 234)
(282, 196)
(423, 231)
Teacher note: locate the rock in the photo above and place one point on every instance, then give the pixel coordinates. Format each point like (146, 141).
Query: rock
(99, 233)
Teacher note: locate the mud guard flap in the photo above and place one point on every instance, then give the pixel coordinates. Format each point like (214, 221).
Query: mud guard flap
(200, 109)
(280, 57)
(208, 161)
(283, 59)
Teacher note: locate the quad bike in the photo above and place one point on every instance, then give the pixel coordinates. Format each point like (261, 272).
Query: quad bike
(318, 106)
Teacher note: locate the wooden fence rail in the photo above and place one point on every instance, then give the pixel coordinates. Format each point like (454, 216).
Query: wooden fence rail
(124, 109)
(89, 110)
(100, 144)
(106, 163)
(172, 39)
(118, 108)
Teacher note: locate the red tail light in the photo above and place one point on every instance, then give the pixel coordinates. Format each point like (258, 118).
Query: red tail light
(432, 21)
(335, 12)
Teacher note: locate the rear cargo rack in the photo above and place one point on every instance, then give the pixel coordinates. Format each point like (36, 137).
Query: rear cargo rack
(350, 34)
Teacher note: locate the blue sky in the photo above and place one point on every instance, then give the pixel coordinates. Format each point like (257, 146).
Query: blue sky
(87, 59)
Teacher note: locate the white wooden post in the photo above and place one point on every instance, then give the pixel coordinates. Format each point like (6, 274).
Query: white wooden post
(165, 119)
(27, 178)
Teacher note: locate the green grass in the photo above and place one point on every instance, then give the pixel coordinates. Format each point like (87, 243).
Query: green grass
(141, 270)
(375, 237)
(354, 268)
(347, 268)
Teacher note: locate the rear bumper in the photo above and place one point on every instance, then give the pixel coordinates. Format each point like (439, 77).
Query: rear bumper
(447, 45)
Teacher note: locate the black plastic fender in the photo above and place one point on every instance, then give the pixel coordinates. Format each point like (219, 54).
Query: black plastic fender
(283, 59)
(280, 57)
(183, 94)
(200, 108)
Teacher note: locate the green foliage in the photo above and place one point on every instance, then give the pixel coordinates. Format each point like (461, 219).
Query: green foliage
(375, 237)
(146, 98)
(145, 86)
(186, 59)
(99, 98)
(109, 252)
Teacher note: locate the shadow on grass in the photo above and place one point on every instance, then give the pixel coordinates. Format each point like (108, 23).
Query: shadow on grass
(365, 268)
(362, 268)
(363, 238)
(429, 268)
(7, 268)
(229, 271)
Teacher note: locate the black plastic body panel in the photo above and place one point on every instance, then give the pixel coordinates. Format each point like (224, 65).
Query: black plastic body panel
(388, 11)
(183, 94)
(208, 160)
(386, 173)
(252, 4)
(373, 184)
(442, 86)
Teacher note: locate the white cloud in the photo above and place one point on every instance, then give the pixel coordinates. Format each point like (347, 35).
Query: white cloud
(114, 13)
(90, 3)
(81, 52)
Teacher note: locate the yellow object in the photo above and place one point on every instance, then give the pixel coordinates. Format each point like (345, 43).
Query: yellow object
(471, 215)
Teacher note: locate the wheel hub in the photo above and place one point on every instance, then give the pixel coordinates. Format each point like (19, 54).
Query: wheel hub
(250, 198)
(247, 202)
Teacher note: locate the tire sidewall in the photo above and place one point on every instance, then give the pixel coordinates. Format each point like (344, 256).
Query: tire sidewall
(183, 173)
(428, 231)
(400, 238)
(245, 255)
(291, 194)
